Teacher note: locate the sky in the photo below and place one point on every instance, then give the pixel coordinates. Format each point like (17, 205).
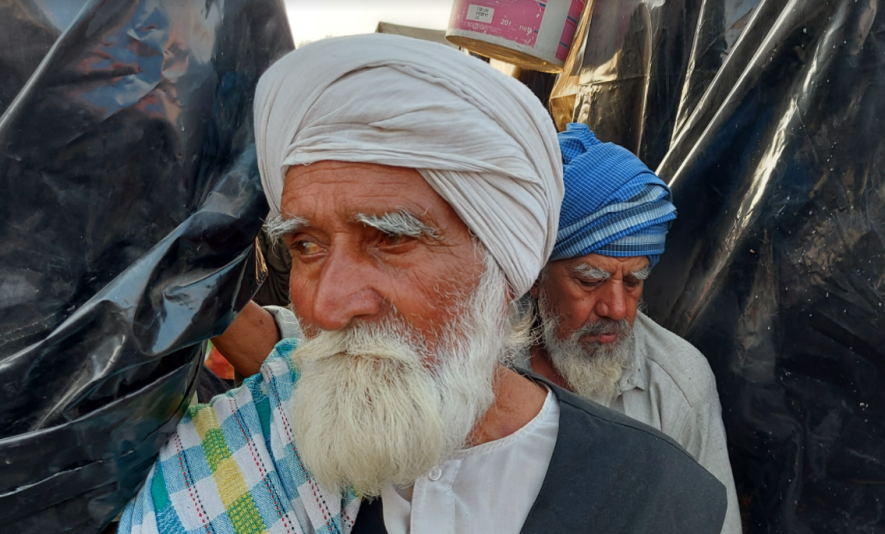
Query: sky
(311, 20)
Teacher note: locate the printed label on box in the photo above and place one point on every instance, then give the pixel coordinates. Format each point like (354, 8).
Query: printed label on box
(480, 14)
(514, 20)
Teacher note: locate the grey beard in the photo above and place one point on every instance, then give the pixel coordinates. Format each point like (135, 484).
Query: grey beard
(591, 369)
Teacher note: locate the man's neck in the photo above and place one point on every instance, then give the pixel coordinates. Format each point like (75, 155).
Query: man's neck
(517, 401)
(541, 364)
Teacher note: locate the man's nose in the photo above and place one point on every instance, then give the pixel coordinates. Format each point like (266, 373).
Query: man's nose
(345, 291)
(612, 302)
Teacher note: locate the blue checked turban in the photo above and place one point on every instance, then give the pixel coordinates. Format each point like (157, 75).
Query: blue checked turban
(614, 205)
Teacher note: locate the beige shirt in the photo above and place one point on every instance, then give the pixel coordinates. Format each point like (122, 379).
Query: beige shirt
(671, 387)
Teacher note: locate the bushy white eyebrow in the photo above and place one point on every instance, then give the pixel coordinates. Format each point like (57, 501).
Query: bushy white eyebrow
(397, 223)
(642, 274)
(592, 272)
(599, 274)
(276, 227)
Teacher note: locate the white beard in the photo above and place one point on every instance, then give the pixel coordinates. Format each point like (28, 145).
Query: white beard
(592, 370)
(372, 407)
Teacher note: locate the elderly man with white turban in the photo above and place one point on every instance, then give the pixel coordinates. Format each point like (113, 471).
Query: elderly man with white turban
(418, 192)
(595, 341)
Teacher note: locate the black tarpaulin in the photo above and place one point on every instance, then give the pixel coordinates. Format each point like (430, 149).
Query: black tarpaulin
(129, 204)
(766, 117)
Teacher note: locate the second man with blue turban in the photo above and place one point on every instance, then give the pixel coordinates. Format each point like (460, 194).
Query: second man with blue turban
(596, 340)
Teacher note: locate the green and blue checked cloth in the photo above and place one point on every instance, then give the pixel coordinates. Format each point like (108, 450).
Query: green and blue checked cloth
(232, 467)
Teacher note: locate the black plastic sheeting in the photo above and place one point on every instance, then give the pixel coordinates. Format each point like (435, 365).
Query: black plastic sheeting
(129, 205)
(768, 120)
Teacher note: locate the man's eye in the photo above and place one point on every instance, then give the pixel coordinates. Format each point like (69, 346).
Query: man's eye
(393, 240)
(589, 282)
(306, 247)
(632, 282)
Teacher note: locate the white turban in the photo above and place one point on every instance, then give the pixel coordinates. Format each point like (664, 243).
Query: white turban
(481, 139)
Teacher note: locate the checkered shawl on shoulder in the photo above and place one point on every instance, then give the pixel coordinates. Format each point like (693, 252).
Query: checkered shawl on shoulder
(232, 467)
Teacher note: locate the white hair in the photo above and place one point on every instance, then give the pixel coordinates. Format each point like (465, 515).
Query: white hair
(276, 227)
(398, 223)
(590, 271)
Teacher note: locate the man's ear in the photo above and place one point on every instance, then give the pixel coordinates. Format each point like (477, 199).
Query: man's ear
(535, 290)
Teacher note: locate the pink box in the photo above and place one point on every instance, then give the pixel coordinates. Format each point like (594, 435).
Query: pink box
(514, 20)
(529, 33)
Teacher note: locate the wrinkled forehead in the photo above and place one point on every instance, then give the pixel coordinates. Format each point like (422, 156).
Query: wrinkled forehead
(328, 173)
(351, 191)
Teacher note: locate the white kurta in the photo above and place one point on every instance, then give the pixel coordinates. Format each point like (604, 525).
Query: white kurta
(464, 494)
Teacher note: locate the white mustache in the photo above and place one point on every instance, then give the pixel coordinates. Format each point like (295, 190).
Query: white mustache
(362, 341)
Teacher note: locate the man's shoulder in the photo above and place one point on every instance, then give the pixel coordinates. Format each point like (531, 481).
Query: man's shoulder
(198, 474)
(672, 359)
(232, 466)
(578, 414)
(602, 456)
(586, 414)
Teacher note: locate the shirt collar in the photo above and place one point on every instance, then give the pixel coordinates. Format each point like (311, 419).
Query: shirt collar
(636, 376)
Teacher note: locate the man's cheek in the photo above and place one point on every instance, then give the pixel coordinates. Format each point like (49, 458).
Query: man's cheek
(301, 294)
(572, 316)
(567, 330)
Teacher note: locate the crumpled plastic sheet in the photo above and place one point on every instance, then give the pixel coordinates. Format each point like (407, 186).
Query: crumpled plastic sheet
(129, 205)
(767, 118)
